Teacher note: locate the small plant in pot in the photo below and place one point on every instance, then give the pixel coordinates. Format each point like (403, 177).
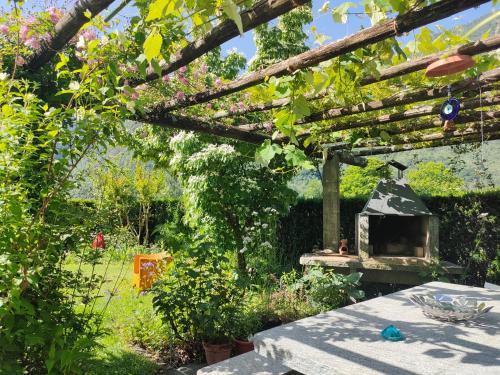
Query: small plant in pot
(248, 323)
(199, 299)
(217, 323)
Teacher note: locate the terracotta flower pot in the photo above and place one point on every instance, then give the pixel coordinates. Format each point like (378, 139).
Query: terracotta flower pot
(242, 346)
(450, 65)
(216, 352)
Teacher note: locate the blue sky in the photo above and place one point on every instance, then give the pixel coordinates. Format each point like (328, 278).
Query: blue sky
(323, 22)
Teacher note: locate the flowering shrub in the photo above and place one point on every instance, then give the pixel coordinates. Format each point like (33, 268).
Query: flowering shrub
(234, 199)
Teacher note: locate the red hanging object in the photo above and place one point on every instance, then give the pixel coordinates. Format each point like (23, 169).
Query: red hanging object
(98, 242)
(450, 65)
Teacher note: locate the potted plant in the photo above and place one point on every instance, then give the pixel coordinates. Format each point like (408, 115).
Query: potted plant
(248, 323)
(217, 326)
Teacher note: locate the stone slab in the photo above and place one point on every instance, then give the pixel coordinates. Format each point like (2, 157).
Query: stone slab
(407, 264)
(348, 341)
(245, 364)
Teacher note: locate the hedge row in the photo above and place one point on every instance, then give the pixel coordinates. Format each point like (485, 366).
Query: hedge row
(467, 236)
(469, 230)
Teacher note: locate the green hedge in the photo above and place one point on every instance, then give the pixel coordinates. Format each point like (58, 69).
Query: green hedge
(462, 232)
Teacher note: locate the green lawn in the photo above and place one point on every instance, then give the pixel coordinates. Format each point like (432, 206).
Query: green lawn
(131, 321)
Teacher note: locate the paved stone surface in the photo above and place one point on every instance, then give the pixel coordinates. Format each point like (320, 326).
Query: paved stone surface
(246, 364)
(348, 341)
(190, 369)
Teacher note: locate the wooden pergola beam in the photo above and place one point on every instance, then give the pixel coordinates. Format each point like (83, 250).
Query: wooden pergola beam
(470, 49)
(471, 129)
(465, 118)
(157, 117)
(67, 27)
(407, 115)
(261, 12)
(397, 26)
(484, 80)
(379, 150)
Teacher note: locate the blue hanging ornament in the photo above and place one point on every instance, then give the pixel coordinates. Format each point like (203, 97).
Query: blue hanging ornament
(449, 109)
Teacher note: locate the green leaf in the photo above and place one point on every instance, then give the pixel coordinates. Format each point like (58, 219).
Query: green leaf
(231, 10)
(324, 8)
(266, 152)
(339, 14)
(156, 9)
(300, 106)
(385, 136)
(152, 45)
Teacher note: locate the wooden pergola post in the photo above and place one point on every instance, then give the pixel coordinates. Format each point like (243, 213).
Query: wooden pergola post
(331, 202)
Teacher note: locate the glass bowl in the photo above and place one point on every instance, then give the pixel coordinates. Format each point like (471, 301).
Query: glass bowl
(450, 308)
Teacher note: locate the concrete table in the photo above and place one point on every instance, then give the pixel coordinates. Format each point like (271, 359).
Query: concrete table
(348, 341)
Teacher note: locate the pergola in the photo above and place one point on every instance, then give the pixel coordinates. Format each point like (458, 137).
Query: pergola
(474, 125)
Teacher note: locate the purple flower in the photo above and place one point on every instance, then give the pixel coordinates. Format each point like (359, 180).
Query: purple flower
(182, 69)
(4, 29)
(32, 43)
(203, 68)
(54, 15)
(20, 61)
(183, 80)
(165, 78)
(179, 95)
(23, 32)
(233, 109)
(218, 82)
(241, 105)
(209, 105)
(89, 35)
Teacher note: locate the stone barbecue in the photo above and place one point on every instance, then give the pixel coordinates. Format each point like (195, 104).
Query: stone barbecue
(396, 237)
(396, 223)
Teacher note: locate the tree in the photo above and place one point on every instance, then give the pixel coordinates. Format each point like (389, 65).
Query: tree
(359, 182)
(229, 196)
(286, 39)
(227, 67)
(433, 178)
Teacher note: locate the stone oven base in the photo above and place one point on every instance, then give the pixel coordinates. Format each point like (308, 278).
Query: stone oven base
(397, 270)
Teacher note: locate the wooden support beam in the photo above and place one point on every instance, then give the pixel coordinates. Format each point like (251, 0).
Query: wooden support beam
(379, 150)
(154, 117)
(67, 27)
(393, 27)
(484, 80)
(471, 129)
(407, 115)
(261, 12)
(470, 49)
(331, 203)
(464, 118)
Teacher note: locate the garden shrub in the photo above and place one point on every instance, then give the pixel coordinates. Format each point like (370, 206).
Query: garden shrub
(328, 290)
(199, 296)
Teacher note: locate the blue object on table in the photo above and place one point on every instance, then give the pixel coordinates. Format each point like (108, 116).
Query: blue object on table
(391, 333)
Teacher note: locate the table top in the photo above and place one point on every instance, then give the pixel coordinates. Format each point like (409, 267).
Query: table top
(348, 341)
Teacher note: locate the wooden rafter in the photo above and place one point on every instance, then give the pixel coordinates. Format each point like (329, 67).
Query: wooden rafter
(397, 26)
(154, 117)
(470, 129)
(468, 117)
(67, 27)
(471, 138)
(262, 12)
(407, 115)
(464, 118)
(399, 70)
(484, 80)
